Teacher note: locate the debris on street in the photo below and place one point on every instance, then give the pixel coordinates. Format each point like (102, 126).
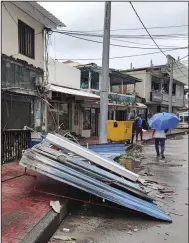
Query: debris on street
(65, 230)
(64, 238)
(55, 206)
(100, 182)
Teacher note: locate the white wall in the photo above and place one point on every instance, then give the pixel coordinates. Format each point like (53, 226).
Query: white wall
(180, 72)
(64, 75)
(140, 88)
(10, 34)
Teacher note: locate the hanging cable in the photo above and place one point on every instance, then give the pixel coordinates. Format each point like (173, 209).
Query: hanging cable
(156, 27)
(147, 30)
(100, 42)
(172, 36)
(96, 59)
(183, 57)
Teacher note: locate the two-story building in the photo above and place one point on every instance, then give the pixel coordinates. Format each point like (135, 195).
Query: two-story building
(24, 39)
(74, 97)
(154, 88)
(66, 99)
(121, 102)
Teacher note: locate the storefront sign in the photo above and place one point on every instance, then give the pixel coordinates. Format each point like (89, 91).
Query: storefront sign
(156, 97)
(119, 98)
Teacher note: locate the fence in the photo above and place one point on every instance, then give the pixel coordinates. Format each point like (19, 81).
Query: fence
(13, 142)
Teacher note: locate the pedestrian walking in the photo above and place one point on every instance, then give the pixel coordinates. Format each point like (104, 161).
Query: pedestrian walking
(160, 136)
(138, 122)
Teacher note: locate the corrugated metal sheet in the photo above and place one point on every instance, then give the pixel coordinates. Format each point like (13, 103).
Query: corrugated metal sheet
(91, 170)
(106, 163)
(109, 150)
(61, 172)
(72, 91)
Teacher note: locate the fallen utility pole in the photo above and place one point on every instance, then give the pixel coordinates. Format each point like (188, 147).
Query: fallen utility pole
(170, 62)
(105, 75)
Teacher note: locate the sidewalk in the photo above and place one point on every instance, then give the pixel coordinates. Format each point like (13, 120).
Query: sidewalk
(26, 213)
(146, 136)
(23, 207)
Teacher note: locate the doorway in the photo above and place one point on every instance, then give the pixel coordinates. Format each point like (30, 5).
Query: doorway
(94, 122)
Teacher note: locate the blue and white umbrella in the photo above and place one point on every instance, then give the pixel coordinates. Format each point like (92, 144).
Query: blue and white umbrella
(163, 121)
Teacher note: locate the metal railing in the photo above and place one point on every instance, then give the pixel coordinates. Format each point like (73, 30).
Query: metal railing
(13, 143)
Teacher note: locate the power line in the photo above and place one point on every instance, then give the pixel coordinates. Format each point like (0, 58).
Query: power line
(100, 42)
(146, 29)
(183, 35)
(183, 57)
(156, 27)
(143, 44)
(95, 59)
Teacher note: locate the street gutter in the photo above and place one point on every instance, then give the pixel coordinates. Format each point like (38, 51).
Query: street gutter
(47, 226)
(169, 135)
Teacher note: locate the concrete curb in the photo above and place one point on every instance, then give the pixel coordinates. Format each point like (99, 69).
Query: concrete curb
(46, 227)
(168, 136)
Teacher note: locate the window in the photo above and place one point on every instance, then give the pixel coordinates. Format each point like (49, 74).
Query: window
(121, 115)
(26, 39)
(155, 86)
(84, 83)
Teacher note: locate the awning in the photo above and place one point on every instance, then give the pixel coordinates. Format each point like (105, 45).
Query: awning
(140, 105)
(74, 92)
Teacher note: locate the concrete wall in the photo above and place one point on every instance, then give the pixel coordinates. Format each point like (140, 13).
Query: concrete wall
(177, 99)
(64, 75)
(143, 88)
(180, 73)
(118, 89)
(10, 34)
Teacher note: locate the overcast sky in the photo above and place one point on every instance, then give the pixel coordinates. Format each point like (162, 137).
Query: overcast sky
(87, 16)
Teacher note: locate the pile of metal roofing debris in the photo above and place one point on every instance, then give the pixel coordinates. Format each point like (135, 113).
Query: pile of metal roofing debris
(86, 170)
(108, 150)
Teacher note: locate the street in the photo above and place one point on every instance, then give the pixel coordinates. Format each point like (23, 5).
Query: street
(79, 120)
(89, 224)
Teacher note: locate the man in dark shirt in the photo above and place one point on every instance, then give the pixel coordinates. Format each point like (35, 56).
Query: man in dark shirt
(139, 127)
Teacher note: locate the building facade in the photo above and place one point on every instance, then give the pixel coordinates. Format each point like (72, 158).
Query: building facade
(74, 97)
(66, 111)
(154, 88)
(23, 40)
(121, 102)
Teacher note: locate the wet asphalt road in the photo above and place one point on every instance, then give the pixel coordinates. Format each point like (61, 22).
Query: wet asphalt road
(90, 224)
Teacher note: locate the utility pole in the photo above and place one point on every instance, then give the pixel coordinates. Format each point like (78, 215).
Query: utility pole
(105, 75)
(170, 62)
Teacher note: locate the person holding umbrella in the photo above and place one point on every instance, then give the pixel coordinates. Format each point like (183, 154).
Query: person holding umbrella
(161, 122)
(160, 136)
